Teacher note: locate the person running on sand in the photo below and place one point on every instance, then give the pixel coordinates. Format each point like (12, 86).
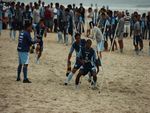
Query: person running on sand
(87, 57)
(40, 31)
(24, 43)
(77, 45)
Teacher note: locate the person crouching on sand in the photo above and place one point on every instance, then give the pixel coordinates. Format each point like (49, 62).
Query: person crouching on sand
(87, 57)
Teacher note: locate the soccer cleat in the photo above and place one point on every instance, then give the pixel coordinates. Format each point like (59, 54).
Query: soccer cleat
(121, 50)
(98, 61)
(65, 84)
(77, 87)
(37, 61)
(26, 81)
(67, 74)
(18, 79)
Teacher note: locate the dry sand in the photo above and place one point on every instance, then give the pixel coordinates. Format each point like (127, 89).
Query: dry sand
(125, 88)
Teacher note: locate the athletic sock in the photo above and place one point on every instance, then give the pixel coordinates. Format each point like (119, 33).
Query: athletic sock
(149, 50)
(10, 34)
(66, 39)
(14, 34)
(19, 71)
(72, 39)
(99, 61)
(94, 84)
(77, 86)
(61, 41)
(69, 77)
(59, 36)
(121, 50)
(38, 62)
(89, 77)
(25, 72)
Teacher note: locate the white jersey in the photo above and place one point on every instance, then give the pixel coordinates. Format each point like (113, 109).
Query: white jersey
(36, 16)
(6, 11)
(97, 34)
(55, 13)
(90, 16)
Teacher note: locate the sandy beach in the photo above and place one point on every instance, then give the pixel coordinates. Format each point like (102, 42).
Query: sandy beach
(125, 82)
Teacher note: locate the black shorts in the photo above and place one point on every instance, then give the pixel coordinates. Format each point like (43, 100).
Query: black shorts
(137, 40)
(13, 26)
(41, 45)
(19, 26)
(86, 70)
(77, 65)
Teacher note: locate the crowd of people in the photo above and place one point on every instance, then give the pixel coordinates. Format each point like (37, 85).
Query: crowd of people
(71, 19)
(102, 25)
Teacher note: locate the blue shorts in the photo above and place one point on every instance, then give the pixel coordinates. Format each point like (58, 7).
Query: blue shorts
(23, 57)
(41, 45)
(100, 46)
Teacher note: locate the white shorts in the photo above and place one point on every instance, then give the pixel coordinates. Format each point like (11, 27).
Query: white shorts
(100, 46)
(23, 57)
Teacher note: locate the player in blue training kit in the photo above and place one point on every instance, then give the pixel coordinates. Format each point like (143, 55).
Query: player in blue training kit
(77, 45)
(24, 43)
(87, 57)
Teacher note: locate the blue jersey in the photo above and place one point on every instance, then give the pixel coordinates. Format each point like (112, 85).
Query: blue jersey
(77, 47)
(27, 17)
(24, 42)
(11, 14)
(1, 11)
(89, 57)
(40, 31)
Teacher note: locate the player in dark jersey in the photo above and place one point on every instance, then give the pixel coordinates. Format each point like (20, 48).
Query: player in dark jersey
(87, 57)
(40, 31)
(77, 45)
(24, 43)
